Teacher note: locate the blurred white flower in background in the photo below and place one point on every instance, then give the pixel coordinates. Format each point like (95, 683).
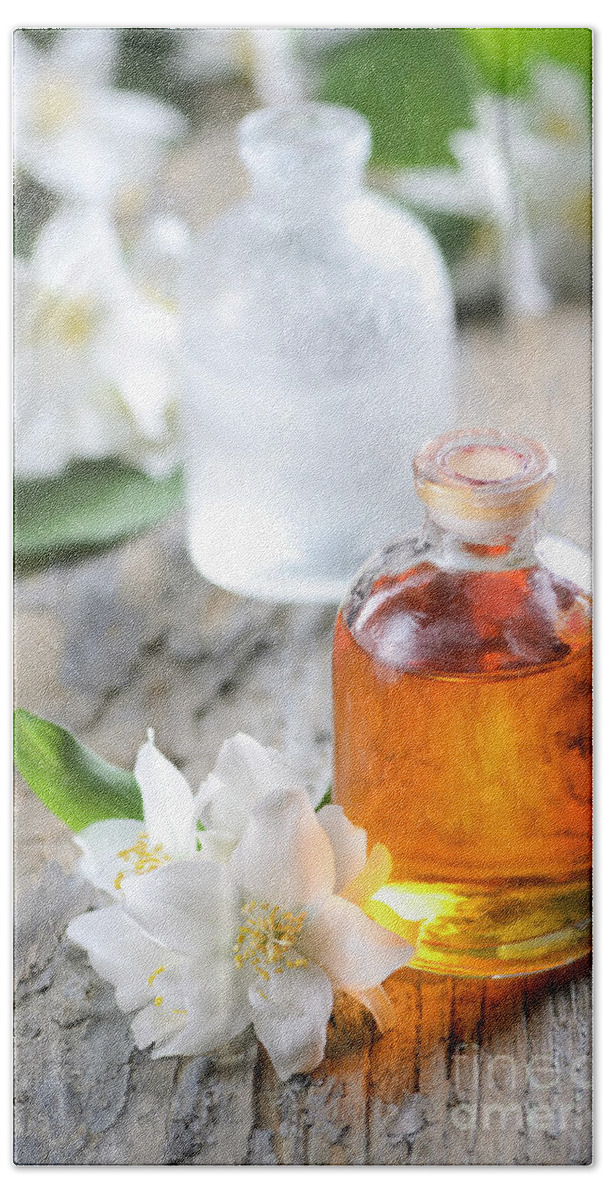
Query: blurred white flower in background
(525, 173)
(158, 253)
(277, 71)
(95, 358)
(323, 39)
(74, 132)
(277, 60)
(555, 168)
(284, 64)
(208, 55)
(268, 58)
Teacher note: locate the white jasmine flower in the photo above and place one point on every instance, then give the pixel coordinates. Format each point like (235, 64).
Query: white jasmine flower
(113, 850)
(204, 948)
(245, 774)
(177, 824)
(75, 133)
(525, 172)
(95, 358)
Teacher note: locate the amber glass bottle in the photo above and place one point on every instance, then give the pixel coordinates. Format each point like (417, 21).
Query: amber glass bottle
(462, 711)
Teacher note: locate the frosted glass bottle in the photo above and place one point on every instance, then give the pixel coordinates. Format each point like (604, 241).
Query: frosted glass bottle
(318, 345)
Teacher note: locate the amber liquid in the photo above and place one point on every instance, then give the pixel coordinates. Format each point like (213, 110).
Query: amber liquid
(462, 744)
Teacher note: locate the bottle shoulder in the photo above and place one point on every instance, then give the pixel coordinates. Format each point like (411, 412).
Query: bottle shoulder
(369, 234)
(400, 241)
(410, 613)
(344, 304)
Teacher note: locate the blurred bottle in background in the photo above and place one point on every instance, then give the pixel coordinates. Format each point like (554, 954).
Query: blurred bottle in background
(318, 351)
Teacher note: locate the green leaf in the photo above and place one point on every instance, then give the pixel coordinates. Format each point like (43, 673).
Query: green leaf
(91, 505)
(415, 86)
(75, 784)
(325, 799)
(505, 56)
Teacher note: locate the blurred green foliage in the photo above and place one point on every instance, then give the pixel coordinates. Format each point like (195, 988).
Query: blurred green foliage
(43, 38)
(33, 204)
(145, 63)
(418, 86)
(415, 86)
(504, 56)
(454, 232)
(90, 505)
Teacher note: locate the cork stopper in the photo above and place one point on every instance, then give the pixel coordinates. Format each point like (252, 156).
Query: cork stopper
(483, 485)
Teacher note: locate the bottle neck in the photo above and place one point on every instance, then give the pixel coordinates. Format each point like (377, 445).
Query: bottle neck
(305, 161)
(509, 553)
(303, 201)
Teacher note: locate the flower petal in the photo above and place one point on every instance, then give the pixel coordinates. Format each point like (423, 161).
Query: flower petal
(102, 842)
(168, 802)
(154, 1024)
(189, 906)
(375, 874)
(215, 845)
(166, 1015)
(290, 1015)
(356, 952)
(284, 856)
(245, 772)
(376, 1001)
(121, 952)
(93, 51)
(217, 1009)
(78, 253)
(348, 842)
(133, 350)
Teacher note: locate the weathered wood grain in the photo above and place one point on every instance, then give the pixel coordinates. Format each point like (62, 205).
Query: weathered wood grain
(516, 1091)
(473, 1072)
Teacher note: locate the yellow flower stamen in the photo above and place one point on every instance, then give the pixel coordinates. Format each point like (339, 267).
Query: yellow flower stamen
(558, 127)
(144, 859)
(67, 321)
(158, 1000)
(56, 105)
(266, 939)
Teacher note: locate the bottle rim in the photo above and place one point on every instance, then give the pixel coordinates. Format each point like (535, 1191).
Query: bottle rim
(481, 474)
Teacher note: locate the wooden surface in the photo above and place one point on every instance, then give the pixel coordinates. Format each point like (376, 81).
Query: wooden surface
(473, 1073)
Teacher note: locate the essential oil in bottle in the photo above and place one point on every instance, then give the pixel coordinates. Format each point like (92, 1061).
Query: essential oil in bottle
(462, 711)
